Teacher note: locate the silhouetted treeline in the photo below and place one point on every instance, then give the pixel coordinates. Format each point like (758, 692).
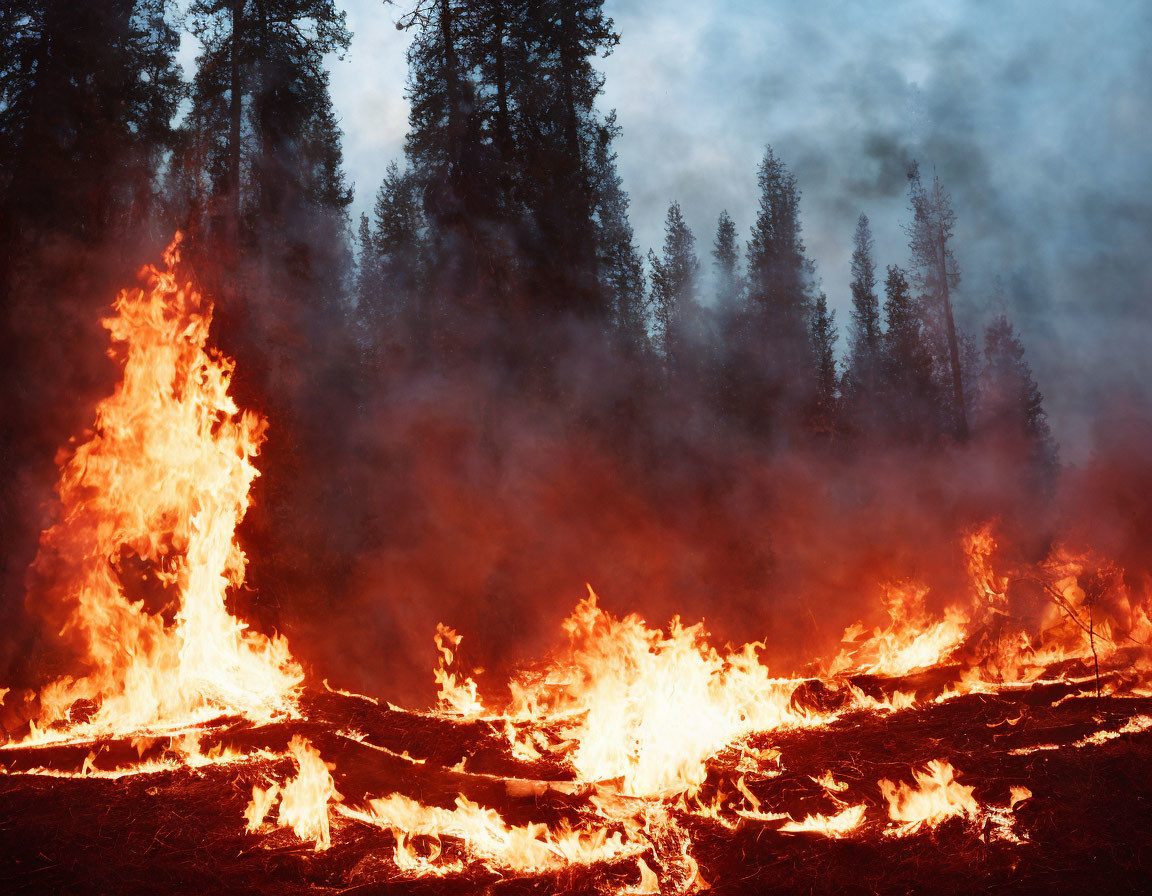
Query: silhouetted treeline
(482, 378)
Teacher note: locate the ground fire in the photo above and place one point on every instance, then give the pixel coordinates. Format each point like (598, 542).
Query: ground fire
(1002, 740)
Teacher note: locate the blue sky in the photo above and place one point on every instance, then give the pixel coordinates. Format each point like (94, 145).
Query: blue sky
(1036, 115)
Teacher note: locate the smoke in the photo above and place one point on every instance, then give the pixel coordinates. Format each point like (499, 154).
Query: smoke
(469, 490)
(467, 494)
(1036, 123)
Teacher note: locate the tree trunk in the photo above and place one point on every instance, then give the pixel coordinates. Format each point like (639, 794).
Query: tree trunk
(502, 130)
(235, 111)
(451, 83)
(953, 344)
(267, 199)
(582, 254)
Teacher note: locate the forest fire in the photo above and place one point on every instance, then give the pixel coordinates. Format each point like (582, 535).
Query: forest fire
(634, 760)
(721, 468)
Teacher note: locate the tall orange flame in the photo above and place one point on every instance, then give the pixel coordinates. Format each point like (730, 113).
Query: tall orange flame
(163, 478)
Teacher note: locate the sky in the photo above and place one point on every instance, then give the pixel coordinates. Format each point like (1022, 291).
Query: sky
(1036, 115)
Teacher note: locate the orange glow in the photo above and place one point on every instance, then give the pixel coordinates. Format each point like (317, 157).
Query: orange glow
(638, 726)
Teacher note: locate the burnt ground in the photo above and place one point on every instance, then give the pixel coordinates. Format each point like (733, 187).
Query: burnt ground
(1086, 829)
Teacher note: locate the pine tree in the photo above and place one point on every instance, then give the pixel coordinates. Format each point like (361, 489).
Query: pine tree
(936, 274)
(571, 33)
(368, 275)
(88, 92)
(909, 393)
(725, 261)
(864, 336)
(1010, 405)
(460, 180)
(779, 293)
(269, 204)
(503, 139)
(824, 350)
(398, 234)
(620, 265)
(673, 294)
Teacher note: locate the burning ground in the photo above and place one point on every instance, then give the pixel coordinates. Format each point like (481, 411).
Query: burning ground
(996, 736)
(1049, 794)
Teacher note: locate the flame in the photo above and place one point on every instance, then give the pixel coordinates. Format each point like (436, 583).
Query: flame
(648, 707)
(640, 713)
(911, 641)
(835, 826)
(457, 693)
(1089, 610)
(164, 478)
(263, 798)
(304, 798)
(936, 796)
(531, 847)
(649, 882)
